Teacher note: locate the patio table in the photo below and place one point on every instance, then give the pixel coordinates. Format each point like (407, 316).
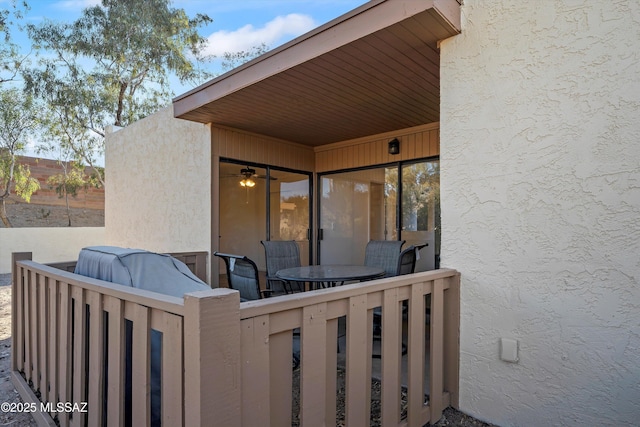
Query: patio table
(329, 275)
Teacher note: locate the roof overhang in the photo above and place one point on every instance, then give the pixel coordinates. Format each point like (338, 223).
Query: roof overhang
(372, 70)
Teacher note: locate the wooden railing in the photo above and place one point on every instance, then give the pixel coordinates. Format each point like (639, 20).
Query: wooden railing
(226, 363)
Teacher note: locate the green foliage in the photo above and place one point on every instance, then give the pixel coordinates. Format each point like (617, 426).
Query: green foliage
(420, 195)
(421, 198)
(18, 119)
(112, 67)
(96, 178)
(69, 182)
(25, 185)
(17, 176)
(72, 179)
(10, 59)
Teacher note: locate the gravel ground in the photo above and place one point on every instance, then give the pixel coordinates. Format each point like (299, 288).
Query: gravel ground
(450, 417)
(30, 215)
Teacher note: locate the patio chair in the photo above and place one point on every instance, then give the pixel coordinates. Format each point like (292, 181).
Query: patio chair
(383, 254)
(281, 254)
(406, 265)
(407, 259)
(242, 274)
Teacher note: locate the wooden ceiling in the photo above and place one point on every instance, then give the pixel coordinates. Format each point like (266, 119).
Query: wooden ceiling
(373, 70)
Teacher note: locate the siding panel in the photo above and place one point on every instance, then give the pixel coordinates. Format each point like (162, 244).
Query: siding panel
(238, 145)
(415, 143)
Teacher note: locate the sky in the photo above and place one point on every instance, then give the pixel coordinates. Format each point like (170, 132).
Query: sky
(238, 25)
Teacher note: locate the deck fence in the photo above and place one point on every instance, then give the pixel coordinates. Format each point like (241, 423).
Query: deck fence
(229, 363)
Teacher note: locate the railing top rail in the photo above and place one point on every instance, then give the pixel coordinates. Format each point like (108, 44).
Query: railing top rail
(298, 300)
(139, 296)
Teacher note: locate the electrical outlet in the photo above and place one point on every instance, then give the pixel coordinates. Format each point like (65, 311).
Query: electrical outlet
(509, 350)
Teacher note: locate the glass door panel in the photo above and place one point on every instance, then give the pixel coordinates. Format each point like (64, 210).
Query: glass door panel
(421, 210)
(243, 212)
(356, 207)
(289, 209)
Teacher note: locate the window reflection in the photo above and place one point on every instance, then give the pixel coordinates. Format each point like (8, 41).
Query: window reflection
(289, 209)
(421, 210)
(248, 216)
(358, 206)
(242, 211)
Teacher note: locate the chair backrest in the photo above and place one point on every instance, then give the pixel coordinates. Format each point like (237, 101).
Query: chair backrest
(280, 254)
(242, 274)
(383, 254)
(407, 261)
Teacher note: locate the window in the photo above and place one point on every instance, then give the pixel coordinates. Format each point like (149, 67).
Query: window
(373, 204)
(247, 215)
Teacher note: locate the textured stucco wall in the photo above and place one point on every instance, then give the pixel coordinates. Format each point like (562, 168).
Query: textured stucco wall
(51, 244)
(158, 192)
(540, 181)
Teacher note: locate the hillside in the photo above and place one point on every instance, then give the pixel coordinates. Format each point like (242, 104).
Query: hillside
(37, 215)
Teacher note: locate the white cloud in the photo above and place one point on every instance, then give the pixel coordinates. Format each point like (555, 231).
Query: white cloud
(248, 36)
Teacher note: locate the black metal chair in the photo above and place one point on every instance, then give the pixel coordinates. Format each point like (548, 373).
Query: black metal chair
(406, 264)
(242, 274)
(281, 254)
(407, 259)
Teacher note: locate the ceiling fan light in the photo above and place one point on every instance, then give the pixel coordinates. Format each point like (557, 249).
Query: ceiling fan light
(248, 182)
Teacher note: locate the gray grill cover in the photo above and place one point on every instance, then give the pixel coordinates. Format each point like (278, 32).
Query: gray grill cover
(138, 268)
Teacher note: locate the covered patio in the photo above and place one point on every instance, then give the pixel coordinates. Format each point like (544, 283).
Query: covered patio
(330, 101)
(312, 121)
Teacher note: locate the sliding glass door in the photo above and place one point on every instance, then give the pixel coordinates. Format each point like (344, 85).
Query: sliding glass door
(394, 202)
(242, 210)
(289, 209)
(420, 207)
(356, 207)
(262, 203)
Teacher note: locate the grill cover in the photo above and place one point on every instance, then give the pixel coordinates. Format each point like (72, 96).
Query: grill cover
(139, 269)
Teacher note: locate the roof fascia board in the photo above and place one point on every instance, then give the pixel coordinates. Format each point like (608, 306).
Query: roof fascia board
(449, 10)
(360, 22)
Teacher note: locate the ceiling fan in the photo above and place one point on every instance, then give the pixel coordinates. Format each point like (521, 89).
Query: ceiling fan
(248, 176)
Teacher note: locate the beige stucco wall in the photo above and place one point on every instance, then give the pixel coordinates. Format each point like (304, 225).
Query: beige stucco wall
(158, 193)
(52, 244)
(540, 181)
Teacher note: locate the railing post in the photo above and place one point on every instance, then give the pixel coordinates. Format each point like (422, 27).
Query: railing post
(212, 389)
(15, 257)
(437, 344)
(452, 339)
